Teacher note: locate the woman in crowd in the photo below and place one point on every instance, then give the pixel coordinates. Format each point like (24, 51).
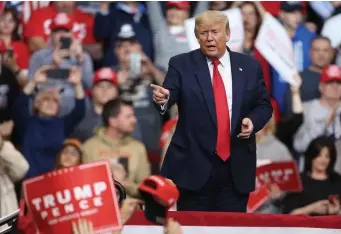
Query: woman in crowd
(17, 56)
(43, 132)
(13, 168)
(253, 14)
(321, 184)
(70, 155)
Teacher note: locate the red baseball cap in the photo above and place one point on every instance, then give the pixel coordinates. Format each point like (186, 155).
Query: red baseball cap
(331, 73)
(3, 47)
(105, 74)
(159, 195)
(62, 21)
(178, 4)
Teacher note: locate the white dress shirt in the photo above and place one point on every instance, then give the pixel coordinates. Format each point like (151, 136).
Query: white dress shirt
(225, 72)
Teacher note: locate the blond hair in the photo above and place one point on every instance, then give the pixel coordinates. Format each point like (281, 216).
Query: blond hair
(210, 17)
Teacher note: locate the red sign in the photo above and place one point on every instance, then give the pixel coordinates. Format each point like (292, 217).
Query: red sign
(284, 174)
(61, 196)
(257, 198)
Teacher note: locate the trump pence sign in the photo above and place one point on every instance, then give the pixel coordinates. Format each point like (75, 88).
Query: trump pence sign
(61, 196)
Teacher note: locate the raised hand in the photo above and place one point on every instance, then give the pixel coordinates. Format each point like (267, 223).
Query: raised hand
(40, 75)
(75, 77)
(172, 227)
(296, 88)
(82, 227)
(160, 94)
(128, 208)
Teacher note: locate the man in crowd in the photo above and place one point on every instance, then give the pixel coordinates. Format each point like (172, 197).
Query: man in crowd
(63, 55)
(37, 30)
(104, 88)
(322, 116)
(135, 73)
(128, 157)
(291, 17)
(321, 55)
(108, 23)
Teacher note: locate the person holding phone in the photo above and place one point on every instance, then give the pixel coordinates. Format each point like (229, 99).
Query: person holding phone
(63, 51)
(17, 54)
(134, 74)
(321, 184)
(43, 132)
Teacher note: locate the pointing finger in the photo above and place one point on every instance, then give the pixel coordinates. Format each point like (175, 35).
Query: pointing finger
(160, 89)
(156, 87)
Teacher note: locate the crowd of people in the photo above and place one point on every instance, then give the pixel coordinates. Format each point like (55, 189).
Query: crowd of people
(75, 88)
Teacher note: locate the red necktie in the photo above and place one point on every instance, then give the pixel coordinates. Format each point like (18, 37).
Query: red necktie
(222, 112)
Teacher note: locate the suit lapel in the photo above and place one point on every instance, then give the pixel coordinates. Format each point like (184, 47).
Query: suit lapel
(204, 78)
(238, 83)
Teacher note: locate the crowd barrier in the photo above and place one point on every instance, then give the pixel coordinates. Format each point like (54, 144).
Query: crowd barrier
(235, 223)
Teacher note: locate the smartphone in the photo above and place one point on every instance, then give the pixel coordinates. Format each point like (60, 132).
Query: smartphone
(10, 53)
(65, 43)
(58, 74)
(125, 163)
(333, 198)
(135, 64)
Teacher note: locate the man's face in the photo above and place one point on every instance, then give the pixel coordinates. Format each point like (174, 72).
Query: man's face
(291, 19)
(176, 16)
(56, 35)
(125, 122)
(104, 91)
(212, 39)
(331, 90)
(249, 16)
(125, 48)
(64, 6)
(321, 53)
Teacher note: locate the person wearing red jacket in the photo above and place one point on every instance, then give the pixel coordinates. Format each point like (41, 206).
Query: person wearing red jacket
(37, 29)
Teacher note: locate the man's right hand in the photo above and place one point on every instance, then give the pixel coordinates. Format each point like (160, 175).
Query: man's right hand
(160, 94)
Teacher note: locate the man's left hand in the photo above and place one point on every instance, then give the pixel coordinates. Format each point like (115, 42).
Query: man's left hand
(247, 128)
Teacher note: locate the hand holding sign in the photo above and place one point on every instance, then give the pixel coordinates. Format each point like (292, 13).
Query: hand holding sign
(55, 201)
(82, 227)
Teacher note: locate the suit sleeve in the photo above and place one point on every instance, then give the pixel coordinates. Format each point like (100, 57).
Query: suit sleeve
(262, 109)
(172, 83)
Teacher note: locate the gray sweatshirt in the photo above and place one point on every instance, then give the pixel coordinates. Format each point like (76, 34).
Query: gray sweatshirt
(167, 44)
(44, 57)
(314, 125)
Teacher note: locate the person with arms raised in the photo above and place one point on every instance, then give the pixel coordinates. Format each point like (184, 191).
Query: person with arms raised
(222, 103)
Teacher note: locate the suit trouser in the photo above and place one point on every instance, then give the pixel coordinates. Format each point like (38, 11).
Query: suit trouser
(218, 193)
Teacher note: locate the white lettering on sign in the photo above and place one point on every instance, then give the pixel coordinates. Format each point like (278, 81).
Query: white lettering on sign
(276, 175)
(84, 197)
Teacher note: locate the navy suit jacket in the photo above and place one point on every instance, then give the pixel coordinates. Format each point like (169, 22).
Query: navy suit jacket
(189, 81)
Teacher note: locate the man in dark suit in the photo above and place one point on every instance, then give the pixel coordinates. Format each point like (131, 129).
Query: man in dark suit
(222, 103)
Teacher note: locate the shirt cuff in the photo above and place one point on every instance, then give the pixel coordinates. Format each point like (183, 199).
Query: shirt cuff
(164, 106)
